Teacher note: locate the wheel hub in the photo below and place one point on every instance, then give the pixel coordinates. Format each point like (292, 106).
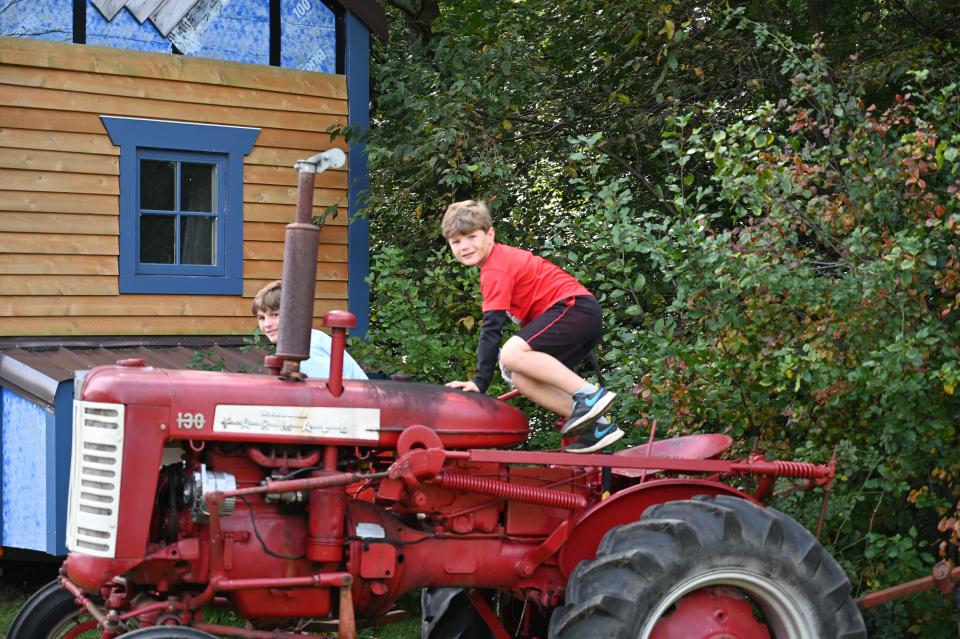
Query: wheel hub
(711, 613)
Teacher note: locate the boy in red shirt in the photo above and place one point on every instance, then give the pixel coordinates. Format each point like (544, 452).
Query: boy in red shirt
(560, 320)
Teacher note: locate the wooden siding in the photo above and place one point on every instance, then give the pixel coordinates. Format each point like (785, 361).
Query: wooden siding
(59, 183)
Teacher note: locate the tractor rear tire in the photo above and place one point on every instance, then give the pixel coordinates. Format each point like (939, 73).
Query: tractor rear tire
(50, 613)
(719, 545)
(167, 632)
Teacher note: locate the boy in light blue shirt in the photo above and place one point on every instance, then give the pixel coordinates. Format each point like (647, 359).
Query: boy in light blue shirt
(266, 308)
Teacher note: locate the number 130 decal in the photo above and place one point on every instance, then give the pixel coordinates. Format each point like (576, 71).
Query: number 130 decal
(188, 421)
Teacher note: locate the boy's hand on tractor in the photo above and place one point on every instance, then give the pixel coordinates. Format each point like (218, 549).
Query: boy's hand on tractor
(467, 386)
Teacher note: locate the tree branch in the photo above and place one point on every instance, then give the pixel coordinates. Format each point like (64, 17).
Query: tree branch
(622, 163)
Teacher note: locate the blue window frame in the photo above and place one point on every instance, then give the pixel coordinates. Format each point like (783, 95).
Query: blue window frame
(181, 205)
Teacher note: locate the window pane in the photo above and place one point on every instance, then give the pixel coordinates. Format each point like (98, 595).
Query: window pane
(197, 183)
(197, 240)
(157, 238)
(157, 185)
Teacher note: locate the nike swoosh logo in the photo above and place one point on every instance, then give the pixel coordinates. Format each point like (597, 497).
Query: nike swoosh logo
(600, 434)
(591, 402)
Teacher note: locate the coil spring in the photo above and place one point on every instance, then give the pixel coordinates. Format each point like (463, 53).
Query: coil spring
(515, 492)
(798, 469)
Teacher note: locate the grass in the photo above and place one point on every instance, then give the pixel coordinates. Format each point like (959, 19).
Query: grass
(11, 598)
(19, 580)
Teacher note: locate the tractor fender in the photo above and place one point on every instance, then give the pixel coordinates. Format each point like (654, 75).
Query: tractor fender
(625, 507)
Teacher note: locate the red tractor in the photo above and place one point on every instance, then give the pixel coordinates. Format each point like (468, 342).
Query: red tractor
(312, 505)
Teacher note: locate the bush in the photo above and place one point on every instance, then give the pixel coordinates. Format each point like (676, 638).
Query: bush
(801, 294)
(810, 295)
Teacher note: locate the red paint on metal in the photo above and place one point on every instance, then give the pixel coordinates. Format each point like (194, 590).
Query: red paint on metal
(544, 551)
(325, 522)
(489, 617)
(627, 506)
(508, 490)
(776, 468)
(339, 322)
(132, 362)
(537, 520)
(378, 561)
(284, 462)
(417, 436)
(711, 613)
(335, 378)
(339, 319)
(706, 446)
(324, 580)
(461, 420)
(474, 560)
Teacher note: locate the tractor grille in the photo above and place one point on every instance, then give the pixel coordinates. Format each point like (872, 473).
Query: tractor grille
(93, 504)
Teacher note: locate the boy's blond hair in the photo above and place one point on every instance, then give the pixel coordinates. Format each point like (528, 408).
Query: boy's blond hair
(465, 217)
(267, 298)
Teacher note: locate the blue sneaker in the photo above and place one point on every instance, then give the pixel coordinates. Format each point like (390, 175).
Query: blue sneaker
(600, 436)
(587, 409)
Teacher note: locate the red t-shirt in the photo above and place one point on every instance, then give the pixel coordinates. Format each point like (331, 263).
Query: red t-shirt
(523, 284)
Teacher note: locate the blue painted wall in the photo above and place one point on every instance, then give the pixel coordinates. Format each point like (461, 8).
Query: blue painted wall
(240, 31)
(357, 65)
(43, 19)
(35, 473)
(123, 32)
(237, 30)
(309, 36)
(24, 441)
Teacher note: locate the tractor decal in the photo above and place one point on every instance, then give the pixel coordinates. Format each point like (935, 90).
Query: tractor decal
(299, 421)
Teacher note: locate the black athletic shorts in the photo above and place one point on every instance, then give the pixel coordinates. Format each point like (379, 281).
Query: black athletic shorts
(568, 330)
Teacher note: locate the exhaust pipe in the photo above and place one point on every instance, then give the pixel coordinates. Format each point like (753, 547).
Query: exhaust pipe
(301, 243)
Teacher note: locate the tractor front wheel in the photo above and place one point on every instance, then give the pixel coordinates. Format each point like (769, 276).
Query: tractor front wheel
(709, 567)
(52, 613)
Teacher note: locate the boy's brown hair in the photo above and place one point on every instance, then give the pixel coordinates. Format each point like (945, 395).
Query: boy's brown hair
(267, 298)
(465, 217)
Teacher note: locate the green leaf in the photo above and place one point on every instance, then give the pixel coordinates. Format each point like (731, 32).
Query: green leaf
(668, 29)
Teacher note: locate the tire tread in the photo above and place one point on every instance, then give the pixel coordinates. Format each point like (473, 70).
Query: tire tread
(610, 595)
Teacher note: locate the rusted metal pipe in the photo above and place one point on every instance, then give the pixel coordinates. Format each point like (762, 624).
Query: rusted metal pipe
(815, 472)
(653, 435)
(308, 483)
(827, 489)
(320, 580)
(301, 245)
(347, 626)
(338, 322)
(82, 598)
(945, 577)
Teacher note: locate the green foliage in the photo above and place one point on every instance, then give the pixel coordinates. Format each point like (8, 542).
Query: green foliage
(815, 292)
(205, 360)
(424, 313)
(770, 227)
